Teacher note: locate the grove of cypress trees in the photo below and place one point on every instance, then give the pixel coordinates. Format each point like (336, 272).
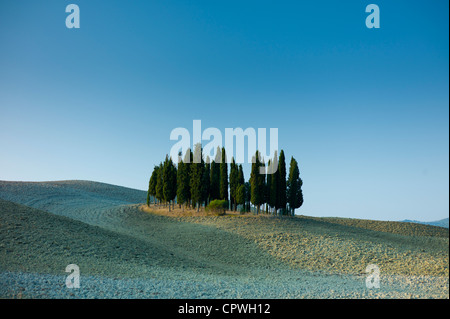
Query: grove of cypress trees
(197, 181)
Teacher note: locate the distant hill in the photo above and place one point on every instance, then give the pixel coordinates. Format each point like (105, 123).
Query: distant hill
(27, 193)
(80, 200)
(439, 223)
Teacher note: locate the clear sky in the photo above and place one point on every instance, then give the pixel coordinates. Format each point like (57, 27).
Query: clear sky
(364, 111)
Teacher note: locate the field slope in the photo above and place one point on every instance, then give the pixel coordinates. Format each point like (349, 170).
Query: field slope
(127, 250)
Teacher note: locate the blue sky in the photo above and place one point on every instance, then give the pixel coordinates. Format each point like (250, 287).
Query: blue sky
(364, 111)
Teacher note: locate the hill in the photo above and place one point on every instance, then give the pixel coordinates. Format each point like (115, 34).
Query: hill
(79, 200)
(115, 239)
(439, 223)
(40, 193)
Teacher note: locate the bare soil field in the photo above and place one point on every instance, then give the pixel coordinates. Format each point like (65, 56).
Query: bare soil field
(127, 250)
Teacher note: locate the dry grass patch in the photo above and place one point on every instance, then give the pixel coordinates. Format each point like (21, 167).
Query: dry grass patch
(177, 211)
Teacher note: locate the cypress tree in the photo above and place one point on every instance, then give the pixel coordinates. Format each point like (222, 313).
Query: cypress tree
(152, 185)
(234, 176)
(273, 196)
(174, 182)
(196, 177)
(294, 187)
(169, 180)
(223, 176)
(241, 182)
(257, 183)
(240, 194)
(268, 185)
(159, 183)
(241, 179)
(215, 177)
(248, 190)
(261, 183)
(281, 198)
(188, 158)
(264, 185)
(181, 175)
(206, 181)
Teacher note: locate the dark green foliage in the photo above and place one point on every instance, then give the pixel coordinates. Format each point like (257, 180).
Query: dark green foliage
(206, 182)
(196, 177)
(152, 185)
(264, 184)
(294, 187)
(189, 157)
(240, 195)
(268, 184)
(241, 179)
(180, 197)
(234, 180)
(215, 180)
(281, 191)
(223, 176)
(183, 189)
(218, 206)
(257, 182)
(241, 182)
(273, 187)
(153, 181)
(169, 180)
(248, 190)
(159, 183)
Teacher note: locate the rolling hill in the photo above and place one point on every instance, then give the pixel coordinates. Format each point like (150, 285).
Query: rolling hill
(107, 231)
